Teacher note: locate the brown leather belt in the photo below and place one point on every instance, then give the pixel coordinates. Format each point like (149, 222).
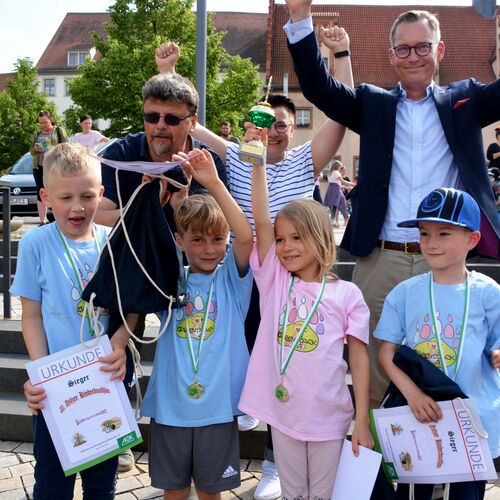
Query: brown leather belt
(409, 247)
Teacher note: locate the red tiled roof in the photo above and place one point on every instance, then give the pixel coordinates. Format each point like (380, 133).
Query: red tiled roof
(72, 34)
(4, 77)
(470, 42)
(246, 36)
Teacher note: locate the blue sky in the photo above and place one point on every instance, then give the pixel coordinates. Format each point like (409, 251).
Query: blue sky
(26, 27)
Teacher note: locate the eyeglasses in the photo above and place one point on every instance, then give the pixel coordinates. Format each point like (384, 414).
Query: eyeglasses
(172, 120)
(280, 127)
(421, 49)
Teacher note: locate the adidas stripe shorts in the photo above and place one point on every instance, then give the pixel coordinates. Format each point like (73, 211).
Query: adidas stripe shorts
(210, 455)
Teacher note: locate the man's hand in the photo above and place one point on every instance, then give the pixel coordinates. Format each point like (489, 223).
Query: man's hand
(166, 57)
(34, 397)
(299, 9)
(424, 407)
(335, 38)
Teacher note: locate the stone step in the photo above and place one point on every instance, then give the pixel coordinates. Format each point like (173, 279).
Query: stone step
(16, 425)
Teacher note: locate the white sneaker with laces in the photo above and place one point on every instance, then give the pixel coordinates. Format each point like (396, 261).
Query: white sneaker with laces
(269, 487)
(126, 461)
(247, 423)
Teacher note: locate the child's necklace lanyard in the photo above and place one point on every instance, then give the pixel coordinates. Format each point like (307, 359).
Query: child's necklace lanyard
(69, 254)
(285, 362)
(463, 328)
(195, 358)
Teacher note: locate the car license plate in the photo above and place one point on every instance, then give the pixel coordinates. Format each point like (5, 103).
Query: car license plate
(19, 201)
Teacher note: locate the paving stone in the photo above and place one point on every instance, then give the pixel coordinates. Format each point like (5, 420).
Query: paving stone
(5, 473)
(8, 461)
(227, 495)
(144, 479)
(127, 484)
(21, 470)
(246, 490)
(14, 495)
(25, 458)
(142, 467)
(192, 494)
(28, 480)
(246, 475)
(26, 448)
(255, 466)
(134, 471)
(142, 458)
(8, 445)
(149, 493)
(126, 496)
(244, 464)
(12, 483)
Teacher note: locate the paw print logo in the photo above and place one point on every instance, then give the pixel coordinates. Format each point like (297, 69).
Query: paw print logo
(193, 313)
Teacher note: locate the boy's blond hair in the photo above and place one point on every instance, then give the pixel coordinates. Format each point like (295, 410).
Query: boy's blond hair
(201, 214)
(312, 224)
(68, 159)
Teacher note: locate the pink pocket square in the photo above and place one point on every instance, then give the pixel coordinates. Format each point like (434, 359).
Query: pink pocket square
(459, 103)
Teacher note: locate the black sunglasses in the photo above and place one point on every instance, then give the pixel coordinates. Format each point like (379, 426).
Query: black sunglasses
(173, 120)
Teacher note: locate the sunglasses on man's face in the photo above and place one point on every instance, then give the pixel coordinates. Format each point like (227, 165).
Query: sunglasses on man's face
(172, 120)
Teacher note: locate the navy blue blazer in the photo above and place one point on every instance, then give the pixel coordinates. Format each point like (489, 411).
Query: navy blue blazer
(464, 109)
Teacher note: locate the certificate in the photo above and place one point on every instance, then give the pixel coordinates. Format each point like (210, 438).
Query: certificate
(448, 451)
(89, 416)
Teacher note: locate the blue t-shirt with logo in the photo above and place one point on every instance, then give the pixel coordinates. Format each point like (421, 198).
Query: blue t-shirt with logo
(223, 359)
(407, 319)
(45, 274)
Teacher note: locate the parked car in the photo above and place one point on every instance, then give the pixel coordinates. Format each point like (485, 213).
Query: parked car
(22, 188)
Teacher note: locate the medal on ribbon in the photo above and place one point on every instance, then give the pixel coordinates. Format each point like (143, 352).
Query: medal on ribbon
(280, 391)
(197, 390)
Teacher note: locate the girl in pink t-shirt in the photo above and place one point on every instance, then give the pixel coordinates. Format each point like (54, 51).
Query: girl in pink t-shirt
(296, 381)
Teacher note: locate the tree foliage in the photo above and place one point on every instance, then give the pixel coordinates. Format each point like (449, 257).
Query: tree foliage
(20, 104)
(110, 88)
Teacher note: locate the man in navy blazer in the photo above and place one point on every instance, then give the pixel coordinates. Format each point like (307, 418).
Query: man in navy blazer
(414, 138)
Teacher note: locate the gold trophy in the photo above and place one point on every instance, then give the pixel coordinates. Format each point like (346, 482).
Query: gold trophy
(262, 116)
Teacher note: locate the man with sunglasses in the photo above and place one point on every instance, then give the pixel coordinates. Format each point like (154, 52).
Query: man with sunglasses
(413, 139)
(170, 115)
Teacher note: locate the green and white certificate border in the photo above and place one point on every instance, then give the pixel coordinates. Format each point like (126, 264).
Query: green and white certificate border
(124, 442)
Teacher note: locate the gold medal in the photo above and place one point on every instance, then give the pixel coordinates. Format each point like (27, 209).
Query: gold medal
(281, 393)
(195, 390)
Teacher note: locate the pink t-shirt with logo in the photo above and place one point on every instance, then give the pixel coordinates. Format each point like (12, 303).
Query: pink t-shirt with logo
(319, 407)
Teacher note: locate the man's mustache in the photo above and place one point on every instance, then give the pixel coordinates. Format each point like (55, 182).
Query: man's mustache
(166, 134)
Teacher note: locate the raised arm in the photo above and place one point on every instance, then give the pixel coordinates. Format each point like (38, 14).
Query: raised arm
(166, 57)
(338, 101)
(327, 141)
(201, 167)
(264, 229)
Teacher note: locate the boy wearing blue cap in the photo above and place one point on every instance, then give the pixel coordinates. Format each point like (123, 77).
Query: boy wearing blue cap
(451, 317)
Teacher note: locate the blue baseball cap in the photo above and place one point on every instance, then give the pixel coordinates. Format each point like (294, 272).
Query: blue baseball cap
(449, 206)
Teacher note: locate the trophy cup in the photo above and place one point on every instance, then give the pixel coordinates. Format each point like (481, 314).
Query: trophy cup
(262, 116)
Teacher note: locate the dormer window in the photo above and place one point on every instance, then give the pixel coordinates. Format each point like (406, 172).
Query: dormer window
(77, 57)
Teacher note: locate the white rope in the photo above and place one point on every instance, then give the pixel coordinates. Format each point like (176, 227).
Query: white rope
(446, 492)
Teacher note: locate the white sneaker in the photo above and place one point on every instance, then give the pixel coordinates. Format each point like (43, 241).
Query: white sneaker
(269, 487)
(247, 423)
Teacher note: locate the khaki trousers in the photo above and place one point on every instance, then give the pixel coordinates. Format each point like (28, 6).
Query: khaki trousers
(376, 275)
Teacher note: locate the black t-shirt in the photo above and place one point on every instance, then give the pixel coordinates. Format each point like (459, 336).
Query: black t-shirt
(492, 149)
